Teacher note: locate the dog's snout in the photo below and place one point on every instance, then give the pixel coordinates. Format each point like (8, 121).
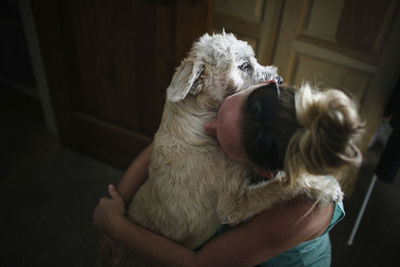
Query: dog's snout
(279, 79)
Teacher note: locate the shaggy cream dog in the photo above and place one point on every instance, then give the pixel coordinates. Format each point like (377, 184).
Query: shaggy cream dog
(192, 188)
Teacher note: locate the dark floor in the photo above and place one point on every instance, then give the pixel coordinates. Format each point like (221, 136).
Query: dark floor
(48, 193)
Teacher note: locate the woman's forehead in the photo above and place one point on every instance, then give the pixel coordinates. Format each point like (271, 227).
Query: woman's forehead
(230, 111)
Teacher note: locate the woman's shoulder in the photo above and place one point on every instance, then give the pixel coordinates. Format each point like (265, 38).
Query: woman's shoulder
(299, 218)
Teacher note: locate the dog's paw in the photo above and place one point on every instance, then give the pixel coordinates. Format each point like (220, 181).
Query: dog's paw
(323, 189)
(234, 217)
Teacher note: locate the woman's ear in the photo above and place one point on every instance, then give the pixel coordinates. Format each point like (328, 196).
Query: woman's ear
(185, 80)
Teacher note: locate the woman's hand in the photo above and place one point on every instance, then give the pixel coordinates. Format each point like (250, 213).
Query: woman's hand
(108, 209)
(108, 250)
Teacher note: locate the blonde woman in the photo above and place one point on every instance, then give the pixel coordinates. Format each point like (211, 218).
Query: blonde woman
(270, 128)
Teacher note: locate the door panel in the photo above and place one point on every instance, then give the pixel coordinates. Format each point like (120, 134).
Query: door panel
(108, 65)
(325, 72)
(254, 21)
(110, 60)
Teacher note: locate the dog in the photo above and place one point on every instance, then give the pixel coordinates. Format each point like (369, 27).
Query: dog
(192, 187)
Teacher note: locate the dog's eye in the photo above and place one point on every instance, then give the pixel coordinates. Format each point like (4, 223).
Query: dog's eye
(245, 66)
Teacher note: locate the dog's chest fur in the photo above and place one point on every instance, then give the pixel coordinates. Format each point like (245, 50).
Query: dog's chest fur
(186, 176)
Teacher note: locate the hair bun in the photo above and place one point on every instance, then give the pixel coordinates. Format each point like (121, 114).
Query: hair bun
(307, 110)
(332, 126)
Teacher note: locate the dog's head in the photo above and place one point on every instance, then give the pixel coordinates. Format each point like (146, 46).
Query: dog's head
(218, 66)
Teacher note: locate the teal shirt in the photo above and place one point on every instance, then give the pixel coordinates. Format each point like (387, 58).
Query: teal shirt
(313, 253)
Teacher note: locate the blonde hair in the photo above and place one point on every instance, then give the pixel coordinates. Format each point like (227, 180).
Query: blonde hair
(331, 128)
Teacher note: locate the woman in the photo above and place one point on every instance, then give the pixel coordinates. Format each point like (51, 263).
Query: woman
(300, 132)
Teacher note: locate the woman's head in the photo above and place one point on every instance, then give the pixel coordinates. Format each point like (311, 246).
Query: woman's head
(245, 115)
(227, 127)
(267, 126)
(295, 130)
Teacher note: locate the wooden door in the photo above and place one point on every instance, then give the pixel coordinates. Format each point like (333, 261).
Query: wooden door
(347, 44)
(108, 65)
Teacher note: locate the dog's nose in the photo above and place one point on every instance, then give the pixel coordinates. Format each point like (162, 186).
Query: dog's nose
(279, 79)
(274, 85)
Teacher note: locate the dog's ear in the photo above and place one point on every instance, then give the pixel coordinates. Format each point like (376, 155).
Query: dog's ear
(186, 80)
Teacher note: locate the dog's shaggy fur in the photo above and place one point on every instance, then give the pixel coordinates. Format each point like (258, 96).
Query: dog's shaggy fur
(192, 188)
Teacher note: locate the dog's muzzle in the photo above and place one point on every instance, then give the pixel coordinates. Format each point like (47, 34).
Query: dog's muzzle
(279, 79)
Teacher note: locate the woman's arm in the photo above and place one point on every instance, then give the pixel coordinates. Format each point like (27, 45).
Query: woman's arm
(135, 175)
(265, 236)
(133, 178)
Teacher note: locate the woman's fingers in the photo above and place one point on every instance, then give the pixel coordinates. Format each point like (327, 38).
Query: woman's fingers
(113, 191)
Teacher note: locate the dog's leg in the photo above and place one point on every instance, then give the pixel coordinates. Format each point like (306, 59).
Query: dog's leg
(251, 200)
(246, 202)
